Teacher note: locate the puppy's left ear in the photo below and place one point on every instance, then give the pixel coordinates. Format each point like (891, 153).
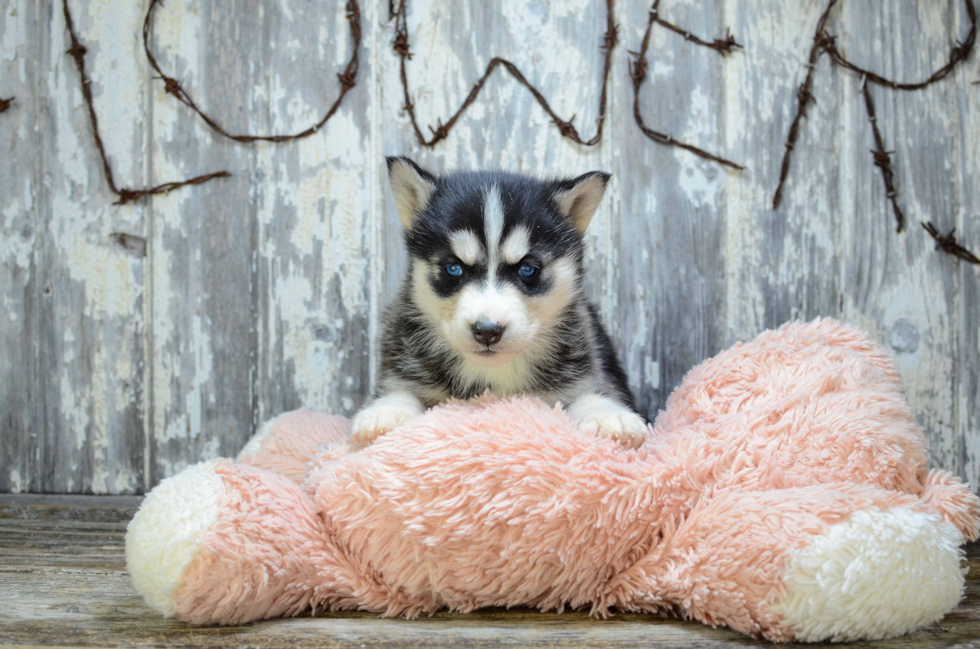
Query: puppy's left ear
(579, 198)
(412, 187)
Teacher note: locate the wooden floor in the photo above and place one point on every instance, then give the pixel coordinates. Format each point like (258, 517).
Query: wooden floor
(63, 583)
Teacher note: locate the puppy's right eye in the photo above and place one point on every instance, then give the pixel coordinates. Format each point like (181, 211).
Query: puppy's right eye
(454, 270)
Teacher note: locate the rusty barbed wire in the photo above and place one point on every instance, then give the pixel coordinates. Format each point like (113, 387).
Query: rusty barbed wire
(402, 48)
(638, 72)
(948, 244)
(347, 80)
(960, 52)
(5, 103)
(125, 194)
(723, 46)
(804, 97)
(882, 157)
(824, 43)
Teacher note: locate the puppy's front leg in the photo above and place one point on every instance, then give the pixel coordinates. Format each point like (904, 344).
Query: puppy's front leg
(599, 415)
(384, 414)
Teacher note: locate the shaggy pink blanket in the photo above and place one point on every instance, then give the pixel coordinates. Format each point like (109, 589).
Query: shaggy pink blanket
(783, 493)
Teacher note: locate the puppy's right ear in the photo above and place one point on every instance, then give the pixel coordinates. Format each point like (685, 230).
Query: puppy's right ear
(412, 186)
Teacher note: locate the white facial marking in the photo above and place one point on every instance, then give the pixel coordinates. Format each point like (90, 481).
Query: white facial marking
(517, 245)
(493, 224)
(466, 246)
(528, 319)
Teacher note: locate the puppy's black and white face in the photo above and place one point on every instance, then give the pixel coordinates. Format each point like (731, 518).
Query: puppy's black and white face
(495, 257)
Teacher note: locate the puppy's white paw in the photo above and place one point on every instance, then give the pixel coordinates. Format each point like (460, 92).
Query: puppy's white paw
(603, 417)
(383, 416)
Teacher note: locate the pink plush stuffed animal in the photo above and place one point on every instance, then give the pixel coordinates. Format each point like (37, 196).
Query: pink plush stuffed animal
(783, 493)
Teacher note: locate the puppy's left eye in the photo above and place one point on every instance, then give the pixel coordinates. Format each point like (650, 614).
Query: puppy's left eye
(527, 270)
(454, 270)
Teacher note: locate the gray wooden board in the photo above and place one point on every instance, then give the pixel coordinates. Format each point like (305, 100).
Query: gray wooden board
(245, 297)
(900, 286)
(19, 375)
(63, 584)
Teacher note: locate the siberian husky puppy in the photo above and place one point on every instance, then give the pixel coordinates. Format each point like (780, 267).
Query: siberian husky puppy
(494, 301)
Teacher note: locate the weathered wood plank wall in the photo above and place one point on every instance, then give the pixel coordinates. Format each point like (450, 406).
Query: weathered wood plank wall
(138, 339)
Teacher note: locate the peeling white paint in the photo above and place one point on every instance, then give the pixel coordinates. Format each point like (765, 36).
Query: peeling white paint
(684, 257)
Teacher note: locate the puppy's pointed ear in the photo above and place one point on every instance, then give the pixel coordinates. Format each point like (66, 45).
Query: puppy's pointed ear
(412, 186)
(579, 198)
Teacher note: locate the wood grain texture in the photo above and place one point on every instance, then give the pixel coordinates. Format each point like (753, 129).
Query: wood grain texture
(895, 285)
(965, 215)
(63, 584)
(202, 244)
(261, 287)
(780, 265)
(88, 331)
(19, 288)
(140, 339)
(669, 287)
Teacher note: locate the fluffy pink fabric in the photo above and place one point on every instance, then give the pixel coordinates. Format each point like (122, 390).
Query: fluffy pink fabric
(286, 443)
(504, 503)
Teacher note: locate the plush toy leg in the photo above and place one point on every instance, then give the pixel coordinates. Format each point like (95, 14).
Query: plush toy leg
(285, 444)
(805, 564)
(954, 501)
(224, 543)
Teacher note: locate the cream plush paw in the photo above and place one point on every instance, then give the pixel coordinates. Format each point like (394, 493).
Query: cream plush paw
(166, 534)
(603, 417)
(384, 415)
(226, 543)
(878, 574)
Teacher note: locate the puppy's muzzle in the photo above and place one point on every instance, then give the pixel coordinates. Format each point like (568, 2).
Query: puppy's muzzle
(487, 333)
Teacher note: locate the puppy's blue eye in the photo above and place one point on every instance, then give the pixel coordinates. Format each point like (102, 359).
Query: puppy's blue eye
(454, 270)
(527, 270)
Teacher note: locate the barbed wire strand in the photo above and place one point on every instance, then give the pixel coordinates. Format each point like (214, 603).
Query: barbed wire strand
(948, 244)
(959, 53)
(822, 42)
(5, 103)
(125, 194)
(804, 97)
(347, 80)
(402, 48)
(723, 46)
(638, 72)
(882, 157)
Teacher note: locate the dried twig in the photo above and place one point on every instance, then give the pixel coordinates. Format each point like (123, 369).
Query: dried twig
(638, 72)
(822, 42)
(948, 244)
(347, 80)
(401, 45)
(882, 158)
(125, 194)
(5, 103)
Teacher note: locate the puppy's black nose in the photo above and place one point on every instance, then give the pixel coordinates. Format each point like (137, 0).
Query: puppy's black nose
(487, 333)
